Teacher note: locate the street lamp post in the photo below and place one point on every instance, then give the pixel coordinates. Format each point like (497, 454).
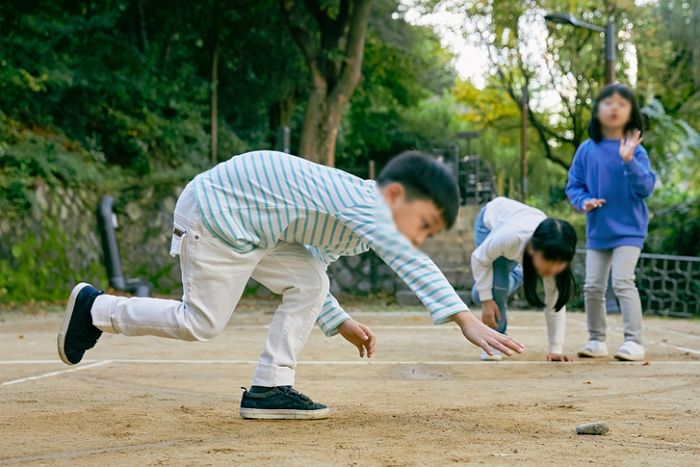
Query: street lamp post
(608, 30)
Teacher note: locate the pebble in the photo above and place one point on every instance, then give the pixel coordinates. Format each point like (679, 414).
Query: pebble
(594, 428)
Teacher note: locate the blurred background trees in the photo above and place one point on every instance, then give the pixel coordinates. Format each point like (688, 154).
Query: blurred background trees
(115, 91)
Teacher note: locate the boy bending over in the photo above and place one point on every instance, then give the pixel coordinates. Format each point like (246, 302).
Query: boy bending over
(282, 220)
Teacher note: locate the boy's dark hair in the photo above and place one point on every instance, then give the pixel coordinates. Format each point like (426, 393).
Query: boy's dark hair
(556, 240)
(636, 121)
(424, 177)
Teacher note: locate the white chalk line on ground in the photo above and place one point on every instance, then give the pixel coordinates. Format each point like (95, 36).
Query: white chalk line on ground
(55, 373)
(326, 362)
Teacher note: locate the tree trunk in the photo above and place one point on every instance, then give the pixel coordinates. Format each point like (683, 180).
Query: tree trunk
(215, 105)
(331, 83)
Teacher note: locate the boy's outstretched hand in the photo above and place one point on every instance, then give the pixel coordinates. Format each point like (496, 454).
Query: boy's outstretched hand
(360, 336)
(483, 336)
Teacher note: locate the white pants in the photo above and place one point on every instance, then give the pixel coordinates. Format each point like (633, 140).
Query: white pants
(214, 277)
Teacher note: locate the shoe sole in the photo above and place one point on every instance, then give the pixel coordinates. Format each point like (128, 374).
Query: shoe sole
(70, 307)
(629, 358)
(284, 414)
(586, 354)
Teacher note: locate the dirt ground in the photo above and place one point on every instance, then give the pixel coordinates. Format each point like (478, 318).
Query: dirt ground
(425, 399)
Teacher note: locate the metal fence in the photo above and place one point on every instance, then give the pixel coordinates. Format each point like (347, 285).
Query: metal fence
(668, 285)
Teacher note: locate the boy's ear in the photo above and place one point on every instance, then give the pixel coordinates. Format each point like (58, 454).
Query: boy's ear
(394, 191)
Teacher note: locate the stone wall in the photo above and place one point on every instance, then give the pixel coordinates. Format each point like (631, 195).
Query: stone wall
(48, 250)
(57, 245)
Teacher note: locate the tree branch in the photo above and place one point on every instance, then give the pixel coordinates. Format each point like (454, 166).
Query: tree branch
(301, 35)
(352, 60)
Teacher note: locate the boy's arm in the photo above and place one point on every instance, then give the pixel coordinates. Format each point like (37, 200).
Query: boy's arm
(375, 225)
(638, 171)
(576, 188)
(332, 316)
(556, 320)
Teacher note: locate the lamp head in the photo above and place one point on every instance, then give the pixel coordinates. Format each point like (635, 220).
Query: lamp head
(560, 18)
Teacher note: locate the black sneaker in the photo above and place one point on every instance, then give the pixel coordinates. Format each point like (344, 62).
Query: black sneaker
(77, 333)
(279, 403)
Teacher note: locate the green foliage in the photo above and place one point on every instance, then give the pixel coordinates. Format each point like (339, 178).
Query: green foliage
(675, 146)
(39, 266)
(405, 70)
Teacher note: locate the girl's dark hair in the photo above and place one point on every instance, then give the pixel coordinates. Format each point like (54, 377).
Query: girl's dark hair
(636, 121)
(556, 240)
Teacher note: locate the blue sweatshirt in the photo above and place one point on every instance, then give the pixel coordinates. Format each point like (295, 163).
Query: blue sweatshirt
(598, 171)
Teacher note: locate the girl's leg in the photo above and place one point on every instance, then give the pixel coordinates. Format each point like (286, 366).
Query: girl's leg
(501, 288)
(516, 278)
(480, 234)
(597, 271)
(624, 261)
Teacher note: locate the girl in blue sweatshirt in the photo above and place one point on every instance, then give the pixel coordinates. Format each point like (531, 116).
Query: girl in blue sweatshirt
(609, 180)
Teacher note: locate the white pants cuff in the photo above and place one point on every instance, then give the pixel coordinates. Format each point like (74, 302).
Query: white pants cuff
(101, 313)
(273, 375)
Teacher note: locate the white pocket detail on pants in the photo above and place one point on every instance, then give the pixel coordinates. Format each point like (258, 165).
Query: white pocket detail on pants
(176, 242)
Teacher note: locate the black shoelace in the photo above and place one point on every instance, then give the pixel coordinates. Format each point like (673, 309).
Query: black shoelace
(293, 392)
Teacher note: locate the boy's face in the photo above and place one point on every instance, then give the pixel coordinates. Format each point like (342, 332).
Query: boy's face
(614, 112)
(416, 219)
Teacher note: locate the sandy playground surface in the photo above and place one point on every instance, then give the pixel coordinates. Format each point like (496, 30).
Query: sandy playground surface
(425, 399)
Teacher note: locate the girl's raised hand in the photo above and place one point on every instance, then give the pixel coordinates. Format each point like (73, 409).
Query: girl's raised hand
(629, 144)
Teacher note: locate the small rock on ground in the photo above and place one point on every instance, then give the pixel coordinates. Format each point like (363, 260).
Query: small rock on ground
(594, 428)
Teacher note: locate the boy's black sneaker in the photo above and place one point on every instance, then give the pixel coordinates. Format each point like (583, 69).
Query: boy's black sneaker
(280, 403)
(77, 333)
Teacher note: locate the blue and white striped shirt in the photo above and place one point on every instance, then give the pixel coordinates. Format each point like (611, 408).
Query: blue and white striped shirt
(258, 198)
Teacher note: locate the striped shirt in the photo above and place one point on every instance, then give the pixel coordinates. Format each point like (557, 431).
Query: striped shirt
(259, 198)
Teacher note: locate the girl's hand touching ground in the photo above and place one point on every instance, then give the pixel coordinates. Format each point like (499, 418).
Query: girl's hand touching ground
(360, 336)
(483, 336)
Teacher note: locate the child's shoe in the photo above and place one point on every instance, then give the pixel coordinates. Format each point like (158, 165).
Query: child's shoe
(594, 349)
(630, 351)
(496, 357)
(77, 333)
(279, 403)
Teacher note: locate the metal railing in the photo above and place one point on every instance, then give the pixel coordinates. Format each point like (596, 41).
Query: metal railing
(668, 285)
(475, 179)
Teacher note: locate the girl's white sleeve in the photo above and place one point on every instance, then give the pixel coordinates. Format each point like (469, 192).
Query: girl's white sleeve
(556, 320)
(497, 244)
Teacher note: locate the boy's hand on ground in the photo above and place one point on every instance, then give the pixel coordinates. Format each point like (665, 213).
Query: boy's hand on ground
(490, 314)
(592, 203)
(360, 336)
(483, 336)
(557, 357)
